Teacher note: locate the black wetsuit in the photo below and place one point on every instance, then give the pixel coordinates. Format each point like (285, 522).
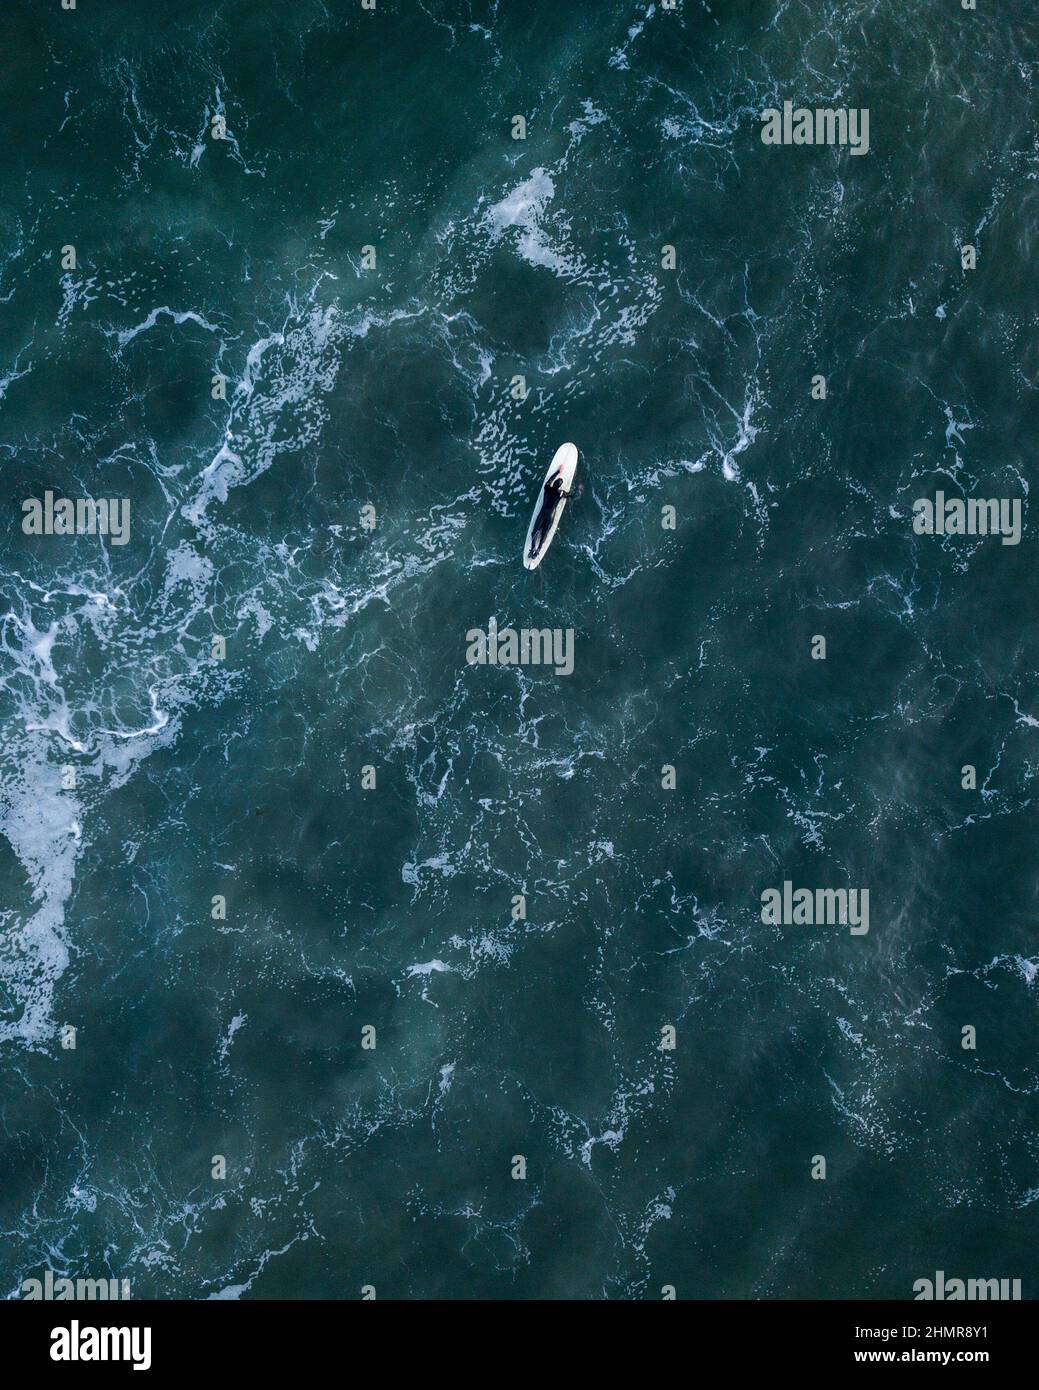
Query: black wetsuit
(554, 494)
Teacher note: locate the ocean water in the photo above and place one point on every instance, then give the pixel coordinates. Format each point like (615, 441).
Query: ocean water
(141, 776)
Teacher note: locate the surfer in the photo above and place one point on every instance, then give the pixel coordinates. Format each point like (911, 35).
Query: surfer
(554, 494)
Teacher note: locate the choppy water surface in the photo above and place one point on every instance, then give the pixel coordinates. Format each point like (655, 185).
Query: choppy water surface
(392, 907)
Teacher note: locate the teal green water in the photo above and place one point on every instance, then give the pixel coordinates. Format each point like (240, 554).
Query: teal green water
(140, 777)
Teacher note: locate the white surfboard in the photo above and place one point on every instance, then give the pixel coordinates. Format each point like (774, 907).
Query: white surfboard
(564, 461)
